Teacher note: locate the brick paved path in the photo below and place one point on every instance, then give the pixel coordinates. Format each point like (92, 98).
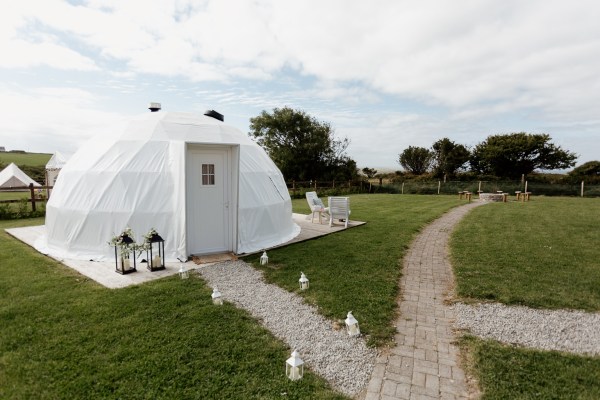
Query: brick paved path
(424, 364)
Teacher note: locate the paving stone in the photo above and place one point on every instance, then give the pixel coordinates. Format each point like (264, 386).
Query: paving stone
(375, 385)
(372, 396)
(418, 379)
(389, 388)
(424, 363)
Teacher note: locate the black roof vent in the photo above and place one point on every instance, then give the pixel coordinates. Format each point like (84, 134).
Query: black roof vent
(154, 107)
(215, 115)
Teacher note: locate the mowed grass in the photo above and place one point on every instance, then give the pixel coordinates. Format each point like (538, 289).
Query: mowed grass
(541, 254)
(358, 269)
(33, 159)
(544, 253)
(15, 195)
(63, 336)
(506, 372)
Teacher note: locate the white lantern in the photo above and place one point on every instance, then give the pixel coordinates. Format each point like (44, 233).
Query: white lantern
(352, 325)
(216, 297)
(183, 273)
(294, 367)
(264, 259)
(303, 281)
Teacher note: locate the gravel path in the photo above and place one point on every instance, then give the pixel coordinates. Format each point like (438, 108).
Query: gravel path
(563, 330)
(345, 362)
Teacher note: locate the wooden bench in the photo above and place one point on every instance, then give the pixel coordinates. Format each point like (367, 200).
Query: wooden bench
(525, 196)
(460, 195)
(518, 194)
(468, 196)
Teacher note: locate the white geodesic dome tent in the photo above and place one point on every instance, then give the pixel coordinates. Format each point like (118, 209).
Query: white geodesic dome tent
(203, 185)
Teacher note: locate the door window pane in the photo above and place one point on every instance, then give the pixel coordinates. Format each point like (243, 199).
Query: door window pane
(208, 174)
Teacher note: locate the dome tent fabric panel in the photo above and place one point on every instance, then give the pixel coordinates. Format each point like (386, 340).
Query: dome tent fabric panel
(136, 177)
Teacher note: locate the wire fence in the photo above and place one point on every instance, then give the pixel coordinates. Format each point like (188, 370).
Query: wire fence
(298, 189)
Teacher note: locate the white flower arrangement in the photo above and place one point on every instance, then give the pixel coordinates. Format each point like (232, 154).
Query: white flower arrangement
(120, 241)
(148, 236)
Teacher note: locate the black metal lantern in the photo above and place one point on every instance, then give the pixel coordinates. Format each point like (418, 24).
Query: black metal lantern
(125, 255)
(155, 252)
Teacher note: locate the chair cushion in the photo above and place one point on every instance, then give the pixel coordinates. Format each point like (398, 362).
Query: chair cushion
(318, 202)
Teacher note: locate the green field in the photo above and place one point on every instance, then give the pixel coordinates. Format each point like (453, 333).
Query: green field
(64, 336)
(31, 159)
(508, 372)
(15, 195)
(543, 253)
(358, 269)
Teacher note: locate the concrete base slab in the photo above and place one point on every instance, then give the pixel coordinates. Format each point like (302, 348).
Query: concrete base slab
(104, 272)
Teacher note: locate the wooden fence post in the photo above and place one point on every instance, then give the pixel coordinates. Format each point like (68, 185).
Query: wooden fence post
(439, 185)
(402, 187)
(32, 196)
(581, 188)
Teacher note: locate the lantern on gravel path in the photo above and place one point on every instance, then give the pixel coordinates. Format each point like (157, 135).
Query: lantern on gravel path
(304, 283)
(352, 325)
(264, 259)
(217, 299)
(294, 367)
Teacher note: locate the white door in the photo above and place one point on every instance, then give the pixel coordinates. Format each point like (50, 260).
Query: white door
(208, 192)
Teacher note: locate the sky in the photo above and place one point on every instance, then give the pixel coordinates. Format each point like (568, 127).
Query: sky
(387, 74)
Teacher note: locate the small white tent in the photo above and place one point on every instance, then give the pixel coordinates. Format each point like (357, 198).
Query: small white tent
(53, 167)
(203, 185)
(12, 176)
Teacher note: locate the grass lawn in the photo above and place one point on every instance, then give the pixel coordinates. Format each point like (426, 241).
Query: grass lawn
(14, 195)
(359, 269)
(64, 336)
(544, 253)
(541, 254)
(33, 159)
(506, 372)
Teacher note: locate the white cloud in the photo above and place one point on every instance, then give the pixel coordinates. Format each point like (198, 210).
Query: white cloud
(482, 66)
(49, 119)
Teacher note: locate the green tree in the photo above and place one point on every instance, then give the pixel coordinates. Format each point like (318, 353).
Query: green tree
(589, 171)
(416, 160)
(448, 157)
(369, 172)
(519, 153)
(302, 147)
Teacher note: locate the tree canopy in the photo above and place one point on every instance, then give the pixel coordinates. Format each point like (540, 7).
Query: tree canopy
(590, 168)
(519, 153)
(302, 147)
(589, 171)
(448, 157)
(416, 160)
(369, 172)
